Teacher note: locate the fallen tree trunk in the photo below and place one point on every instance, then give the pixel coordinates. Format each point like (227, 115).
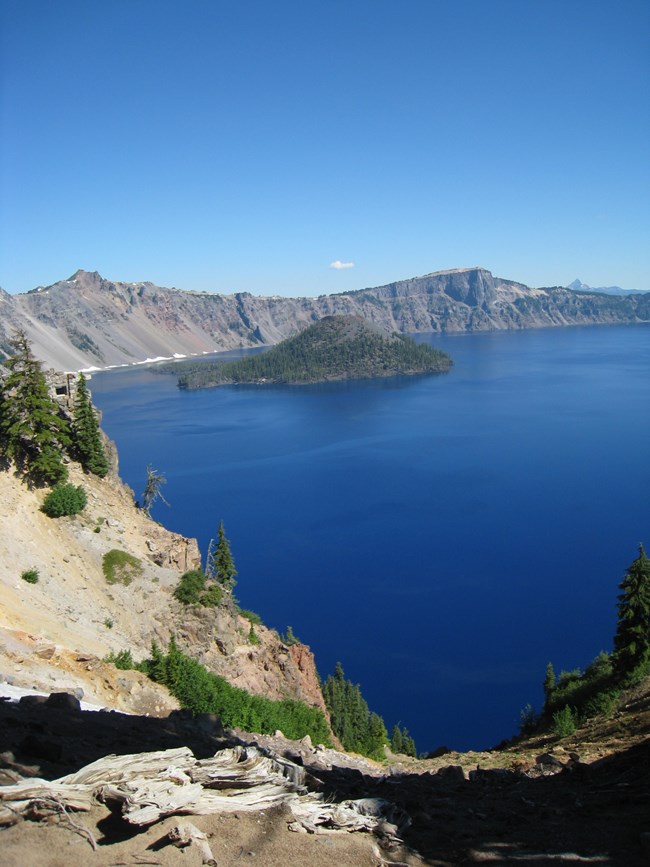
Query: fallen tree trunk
(150, 786)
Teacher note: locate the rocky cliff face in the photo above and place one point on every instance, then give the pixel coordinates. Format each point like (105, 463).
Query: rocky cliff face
(53, 634)
(90, 321)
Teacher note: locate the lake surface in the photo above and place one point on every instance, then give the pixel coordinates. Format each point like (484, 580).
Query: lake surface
(443, 536)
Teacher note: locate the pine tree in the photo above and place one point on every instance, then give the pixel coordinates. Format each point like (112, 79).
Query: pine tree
(355, 726)
(377, 736)
(396, 740)
(157, 664)
(223, 560)
(632, 639)
(408, 744)
(402, 742)
(549, 680)
(88, 441)
(33, 433)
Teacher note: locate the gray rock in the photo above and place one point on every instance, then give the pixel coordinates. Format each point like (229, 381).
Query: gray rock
(550, 760)
(63, 700)
(452, 774)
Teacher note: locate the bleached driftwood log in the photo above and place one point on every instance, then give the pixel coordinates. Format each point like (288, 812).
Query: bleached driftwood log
(150, 786)
(19, 798)
(186, 834)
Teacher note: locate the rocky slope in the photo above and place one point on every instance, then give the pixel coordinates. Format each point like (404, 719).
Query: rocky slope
(89, 321)
(53, 634)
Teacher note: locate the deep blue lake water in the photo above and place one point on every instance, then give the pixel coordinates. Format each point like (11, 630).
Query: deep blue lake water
(443, 536)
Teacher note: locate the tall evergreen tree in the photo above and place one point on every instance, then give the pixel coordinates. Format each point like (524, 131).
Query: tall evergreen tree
(224, 563)
(632, 639)
(88, 441)
(33, 432)
(396, 740)
(355, 726)
(549, 680)
(402, 742)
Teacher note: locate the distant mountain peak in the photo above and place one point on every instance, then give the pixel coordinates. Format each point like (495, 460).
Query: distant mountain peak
(579, 286)
(80, 274)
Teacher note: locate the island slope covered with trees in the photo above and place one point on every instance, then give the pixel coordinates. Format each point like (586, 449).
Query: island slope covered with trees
(334, 348)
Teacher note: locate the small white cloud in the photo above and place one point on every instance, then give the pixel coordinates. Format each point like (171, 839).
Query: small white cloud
(340, 266)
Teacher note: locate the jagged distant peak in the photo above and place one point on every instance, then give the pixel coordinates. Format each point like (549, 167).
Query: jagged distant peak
(579, 286)
(81, 274)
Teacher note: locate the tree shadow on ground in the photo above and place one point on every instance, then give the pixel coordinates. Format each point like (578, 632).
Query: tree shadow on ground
(593, 813)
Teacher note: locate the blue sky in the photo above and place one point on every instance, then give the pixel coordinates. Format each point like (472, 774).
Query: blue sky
(246, 146)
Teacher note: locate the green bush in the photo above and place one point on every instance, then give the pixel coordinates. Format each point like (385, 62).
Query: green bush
(253, 637)
(251, 616)
(600, 667)
(203, 692)
(191, 590)
(564, 722)
(190, 587)
(30, 575)
(212, 596)
(122, 660)
(289, 638)
(581, 690)
(125, 661)
(637, 675)
(118, 566)
(601, 704)
(64, 500)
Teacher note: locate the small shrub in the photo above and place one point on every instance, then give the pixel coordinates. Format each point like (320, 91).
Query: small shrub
(567, 677)
(109, 623)
(190, 587)
(564, 722)
(212, 596)
(289, 638)
(64, 500)
(637, 675)
(120, 566)
(191, 590)
(600, 667)
(251, 616)
(253, 637)
(122, 660)
(30, 576)
(603, 703)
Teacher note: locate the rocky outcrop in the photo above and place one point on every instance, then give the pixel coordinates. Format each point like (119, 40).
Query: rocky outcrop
(218, 638)
(173, 551)
(88, 321)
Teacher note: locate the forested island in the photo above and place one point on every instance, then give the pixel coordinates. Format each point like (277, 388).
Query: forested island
(334, 348)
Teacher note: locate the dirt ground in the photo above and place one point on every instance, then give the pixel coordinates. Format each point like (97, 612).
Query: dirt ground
(595, 812)
(259, 839)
